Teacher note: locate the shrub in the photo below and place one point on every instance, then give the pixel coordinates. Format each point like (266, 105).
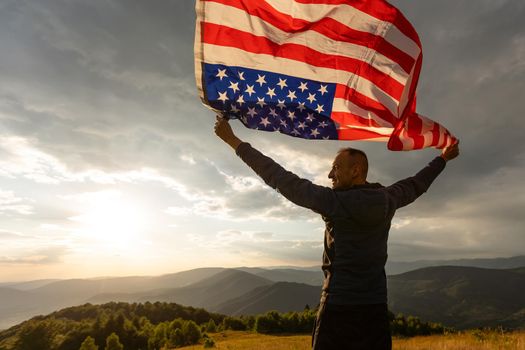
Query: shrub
(209, 343)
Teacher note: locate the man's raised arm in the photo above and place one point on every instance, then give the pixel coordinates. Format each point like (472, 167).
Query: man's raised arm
(408, 190)
(299, 191)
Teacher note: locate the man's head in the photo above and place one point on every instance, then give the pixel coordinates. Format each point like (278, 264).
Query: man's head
(349, 168)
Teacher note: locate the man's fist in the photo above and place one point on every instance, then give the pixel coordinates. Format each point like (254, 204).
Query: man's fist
(225, 132)
(450, 152)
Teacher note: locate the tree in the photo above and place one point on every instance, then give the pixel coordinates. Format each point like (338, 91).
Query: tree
(271, 322)
(211, 327)
(176, 338)
(113, 342)
(88, 344)
(36, 335)
(233, 323)
(191, 332)
(159, 337)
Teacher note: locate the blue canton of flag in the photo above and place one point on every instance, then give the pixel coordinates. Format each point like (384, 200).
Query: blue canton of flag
(272, 102)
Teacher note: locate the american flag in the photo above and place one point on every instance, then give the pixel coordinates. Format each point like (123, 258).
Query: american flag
(315, 69)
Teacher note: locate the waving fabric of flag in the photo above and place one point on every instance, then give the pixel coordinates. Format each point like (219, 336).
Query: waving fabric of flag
(315, 69)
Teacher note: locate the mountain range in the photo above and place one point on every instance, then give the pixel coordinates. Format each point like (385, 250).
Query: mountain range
(458, 296)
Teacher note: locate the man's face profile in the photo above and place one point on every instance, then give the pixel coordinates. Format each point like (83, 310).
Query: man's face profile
(343, 171)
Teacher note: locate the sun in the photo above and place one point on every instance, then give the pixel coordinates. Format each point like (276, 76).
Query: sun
(110, 217)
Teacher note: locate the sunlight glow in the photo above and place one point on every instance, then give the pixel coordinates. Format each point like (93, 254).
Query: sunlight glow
(111, 219)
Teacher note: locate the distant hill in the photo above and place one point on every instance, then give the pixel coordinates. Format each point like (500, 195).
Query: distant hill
(222, 286)
(462, 297)
(280, 296)
(454, 296)
(311, 277)
(397, 267)
(213, 290)
(27, 285)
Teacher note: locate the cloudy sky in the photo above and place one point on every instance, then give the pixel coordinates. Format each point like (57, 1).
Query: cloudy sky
(109, 164)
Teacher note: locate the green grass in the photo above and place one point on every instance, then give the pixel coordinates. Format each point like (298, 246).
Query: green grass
(233, 340)
(479, 340)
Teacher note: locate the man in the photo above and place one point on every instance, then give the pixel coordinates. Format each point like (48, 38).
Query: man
(353, 311)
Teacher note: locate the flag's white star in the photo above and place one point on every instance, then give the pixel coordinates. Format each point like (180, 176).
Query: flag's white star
(323, 89)
(283, 123)
(271, 93)
(311, 98)
(302, 125)
(251, 112)
(244, 120)
(326, 137)
(272, 112)
(221, 74)
(291, 95)
(291, 115)
(261, 80)
(301, 106)
(250, 90)
(240, 100)
(265, 122)
(310, 117)
(275, 128)
(235, 109)
(223, 96)
(295, 132)
(234, 86)
(281, 104)
(323, 124)
(260, 102)
(303, 86)
(241, 75)
(314, 133)
(319, 108)
(282, 83)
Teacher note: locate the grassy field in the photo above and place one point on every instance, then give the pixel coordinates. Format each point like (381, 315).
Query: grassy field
(478, 340)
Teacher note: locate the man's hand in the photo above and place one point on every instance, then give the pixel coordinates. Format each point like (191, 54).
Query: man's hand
(225, 132)
(450, 152)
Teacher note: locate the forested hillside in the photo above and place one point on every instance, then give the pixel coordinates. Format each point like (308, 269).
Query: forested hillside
(151, 326)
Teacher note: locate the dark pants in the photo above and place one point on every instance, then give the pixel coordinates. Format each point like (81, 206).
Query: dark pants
(349, 327)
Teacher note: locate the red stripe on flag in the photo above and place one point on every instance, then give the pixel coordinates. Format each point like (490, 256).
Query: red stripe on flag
(435, 135)
(360, 100)
(378, 9)
(326, 26)
(414, 130)
(352, 119)
(224, 36)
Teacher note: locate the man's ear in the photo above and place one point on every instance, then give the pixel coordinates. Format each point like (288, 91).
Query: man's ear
(359, 172)
(356, 171)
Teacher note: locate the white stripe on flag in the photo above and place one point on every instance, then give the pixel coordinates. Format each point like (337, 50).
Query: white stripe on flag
(386, 132)
(216, 54)
(350, 17)
(395, 37)
(221, 14)
(345, 106)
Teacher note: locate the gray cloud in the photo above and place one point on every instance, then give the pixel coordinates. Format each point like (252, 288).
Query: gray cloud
(265, 245)
(92, 77)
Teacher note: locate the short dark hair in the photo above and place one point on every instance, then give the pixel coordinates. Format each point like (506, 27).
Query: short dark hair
(360, 155)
